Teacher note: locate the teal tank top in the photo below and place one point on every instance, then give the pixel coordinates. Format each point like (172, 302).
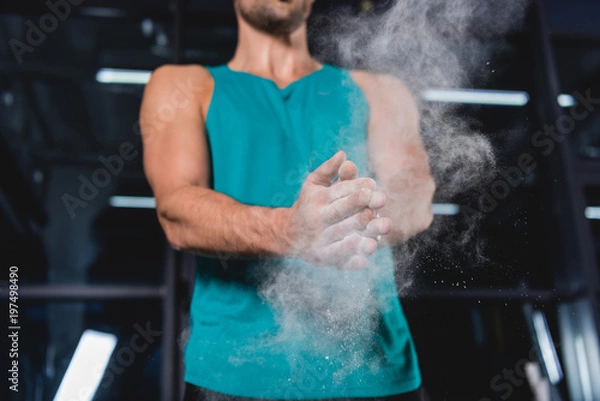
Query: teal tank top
(279, 328)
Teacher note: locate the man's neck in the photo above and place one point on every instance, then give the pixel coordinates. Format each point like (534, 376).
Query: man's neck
(283, 59)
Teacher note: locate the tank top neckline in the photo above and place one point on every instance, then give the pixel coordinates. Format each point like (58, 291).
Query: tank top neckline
(285, 88)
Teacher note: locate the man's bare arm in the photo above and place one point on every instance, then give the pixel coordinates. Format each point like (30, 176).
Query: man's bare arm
(177, 166)
(397, 156)
(199, 219)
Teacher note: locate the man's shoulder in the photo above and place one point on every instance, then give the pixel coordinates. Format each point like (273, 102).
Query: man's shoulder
(376, 79)
(186, 76)
(197, 71)
(378, 85)
(171, 82)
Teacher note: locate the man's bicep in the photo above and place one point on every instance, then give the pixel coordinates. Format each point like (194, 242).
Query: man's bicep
(175, 148)
(395, 142)
(176, 158)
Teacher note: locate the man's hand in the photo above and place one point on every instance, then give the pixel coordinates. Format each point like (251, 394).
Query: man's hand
(379, 225)
(333, 224)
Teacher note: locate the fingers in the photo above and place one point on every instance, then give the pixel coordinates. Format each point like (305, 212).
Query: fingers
(348, 171)
(323, 174)
(377, 227)
(345, 188)
(356, 262)
(358, 196)
(364, 223)
(378, 200)
(347, 182)
(353, 224)
(346, 207)
(359, 259)
(345, 229)
(349, 252)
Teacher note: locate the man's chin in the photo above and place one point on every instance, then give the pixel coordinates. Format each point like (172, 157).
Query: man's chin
(278, 17)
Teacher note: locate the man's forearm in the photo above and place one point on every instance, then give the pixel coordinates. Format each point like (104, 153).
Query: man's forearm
(201, 220)
(409, 198)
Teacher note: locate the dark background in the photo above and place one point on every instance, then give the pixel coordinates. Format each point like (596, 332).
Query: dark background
(108, 268)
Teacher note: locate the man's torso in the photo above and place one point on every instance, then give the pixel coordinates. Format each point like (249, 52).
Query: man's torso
(280, 328)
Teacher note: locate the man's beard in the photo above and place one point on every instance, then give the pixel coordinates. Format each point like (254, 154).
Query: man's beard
(264, 17)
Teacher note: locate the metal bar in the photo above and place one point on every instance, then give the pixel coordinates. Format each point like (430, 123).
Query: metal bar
(19, 198)
(15, 220)
(77, 292)
(170, 372)
(37, 111)
(575, 229)
(179, 33)
(169, 343)
(109, 292)
(575, 234)
(496, 295)
(205, 16)
(186, 280)
(543, 347)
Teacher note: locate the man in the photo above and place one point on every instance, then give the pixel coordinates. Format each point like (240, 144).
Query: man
(226, 150)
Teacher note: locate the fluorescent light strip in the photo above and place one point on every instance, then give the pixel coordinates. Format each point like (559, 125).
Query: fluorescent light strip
(469, 96)
(445, 209)
(592, 212)
(87, 366)
(583, 366)
(549, 356)
(476, 96)
(144, 202)
(133, 202)
(566, 100)
(102, 12)
(118, 76)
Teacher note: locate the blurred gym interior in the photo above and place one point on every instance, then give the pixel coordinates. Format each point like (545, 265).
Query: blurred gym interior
(520, 323)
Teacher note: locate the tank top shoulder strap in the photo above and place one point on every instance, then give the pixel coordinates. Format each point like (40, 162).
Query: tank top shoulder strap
(222, 77)
(342, 77)
(330, 71)
(216, 70)
(219, 73)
